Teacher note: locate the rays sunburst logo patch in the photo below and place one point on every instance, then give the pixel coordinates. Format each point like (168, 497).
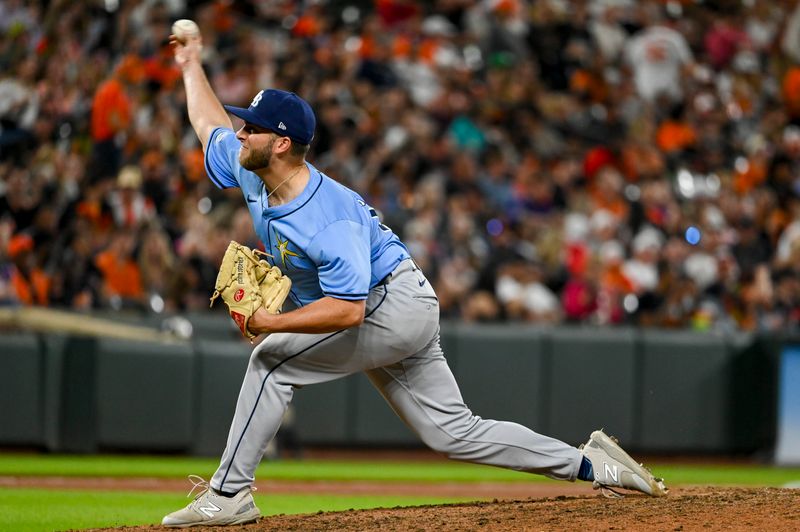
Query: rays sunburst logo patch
(283, 248)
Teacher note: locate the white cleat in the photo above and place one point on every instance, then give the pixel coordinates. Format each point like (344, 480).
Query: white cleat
(210, 508)
(614, 468)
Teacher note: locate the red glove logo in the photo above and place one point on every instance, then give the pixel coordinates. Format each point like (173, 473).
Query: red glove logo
(240, 321)
(238, 295)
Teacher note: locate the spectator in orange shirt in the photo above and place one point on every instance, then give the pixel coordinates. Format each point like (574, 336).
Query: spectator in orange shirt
(111, 115)
(160, 69)
(30, 283)
(122, 280)
(675, 136)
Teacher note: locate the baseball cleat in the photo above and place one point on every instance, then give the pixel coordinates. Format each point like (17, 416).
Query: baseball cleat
(210, 508)
(614, 468)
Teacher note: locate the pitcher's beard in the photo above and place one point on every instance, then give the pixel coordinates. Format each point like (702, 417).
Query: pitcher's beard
(255, 160)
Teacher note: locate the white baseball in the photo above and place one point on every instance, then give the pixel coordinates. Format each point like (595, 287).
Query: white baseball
(184, 28)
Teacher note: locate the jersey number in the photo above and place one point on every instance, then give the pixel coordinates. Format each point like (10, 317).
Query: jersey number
(374, 214)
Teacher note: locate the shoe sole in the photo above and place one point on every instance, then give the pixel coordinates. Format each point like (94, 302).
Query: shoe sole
(617, 453)
(240, 521)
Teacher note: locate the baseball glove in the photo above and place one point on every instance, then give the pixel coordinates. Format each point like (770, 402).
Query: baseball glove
(246, 282)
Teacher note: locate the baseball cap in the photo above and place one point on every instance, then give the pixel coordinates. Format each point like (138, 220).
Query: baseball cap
(283, 112)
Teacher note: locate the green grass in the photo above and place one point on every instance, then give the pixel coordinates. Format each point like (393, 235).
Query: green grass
(383, 471)
(34, 510)
(739, 474)
(149, 466)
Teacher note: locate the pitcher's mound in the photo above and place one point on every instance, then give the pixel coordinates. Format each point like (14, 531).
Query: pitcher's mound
(695, 508)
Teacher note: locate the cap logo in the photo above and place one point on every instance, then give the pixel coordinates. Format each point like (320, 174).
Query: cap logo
(281, 126)
(257, 98)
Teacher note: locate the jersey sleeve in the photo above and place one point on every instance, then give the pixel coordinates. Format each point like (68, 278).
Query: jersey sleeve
(222, 158)
(341, 252)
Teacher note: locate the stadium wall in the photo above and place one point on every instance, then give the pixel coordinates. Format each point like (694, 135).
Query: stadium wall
(658, 391)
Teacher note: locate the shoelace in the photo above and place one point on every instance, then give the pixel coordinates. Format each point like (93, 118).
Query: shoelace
(609, 493)
(198, 482)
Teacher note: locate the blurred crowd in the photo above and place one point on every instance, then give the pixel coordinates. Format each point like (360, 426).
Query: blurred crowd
(551, 161)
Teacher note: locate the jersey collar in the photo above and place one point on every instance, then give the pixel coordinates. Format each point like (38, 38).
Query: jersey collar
(309, 190)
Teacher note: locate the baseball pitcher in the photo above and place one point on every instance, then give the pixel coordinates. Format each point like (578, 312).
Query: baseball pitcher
(356, 302)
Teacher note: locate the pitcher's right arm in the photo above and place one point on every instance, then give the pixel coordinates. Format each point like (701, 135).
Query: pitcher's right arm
(205, 110)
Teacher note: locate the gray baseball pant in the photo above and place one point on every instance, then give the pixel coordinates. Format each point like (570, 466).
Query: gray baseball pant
(397, 346)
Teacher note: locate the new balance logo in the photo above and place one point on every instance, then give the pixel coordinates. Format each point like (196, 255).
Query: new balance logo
(611, 471)
(210, 509)
(281, 125)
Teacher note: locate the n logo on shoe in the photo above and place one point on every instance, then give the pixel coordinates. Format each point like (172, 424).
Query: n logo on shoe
(210, 509)
(610, 471)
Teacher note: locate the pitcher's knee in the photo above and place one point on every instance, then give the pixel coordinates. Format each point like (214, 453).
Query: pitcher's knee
(448, 440)
(441, 443)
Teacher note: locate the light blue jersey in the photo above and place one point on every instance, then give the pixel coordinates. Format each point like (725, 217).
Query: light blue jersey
(327, 240)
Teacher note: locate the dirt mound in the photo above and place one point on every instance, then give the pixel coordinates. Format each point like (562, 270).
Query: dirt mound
(695, 508)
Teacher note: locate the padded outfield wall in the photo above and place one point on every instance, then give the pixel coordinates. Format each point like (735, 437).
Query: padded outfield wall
(658, 391)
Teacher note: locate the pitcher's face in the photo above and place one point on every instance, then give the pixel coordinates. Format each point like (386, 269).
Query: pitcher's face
(257, 147)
